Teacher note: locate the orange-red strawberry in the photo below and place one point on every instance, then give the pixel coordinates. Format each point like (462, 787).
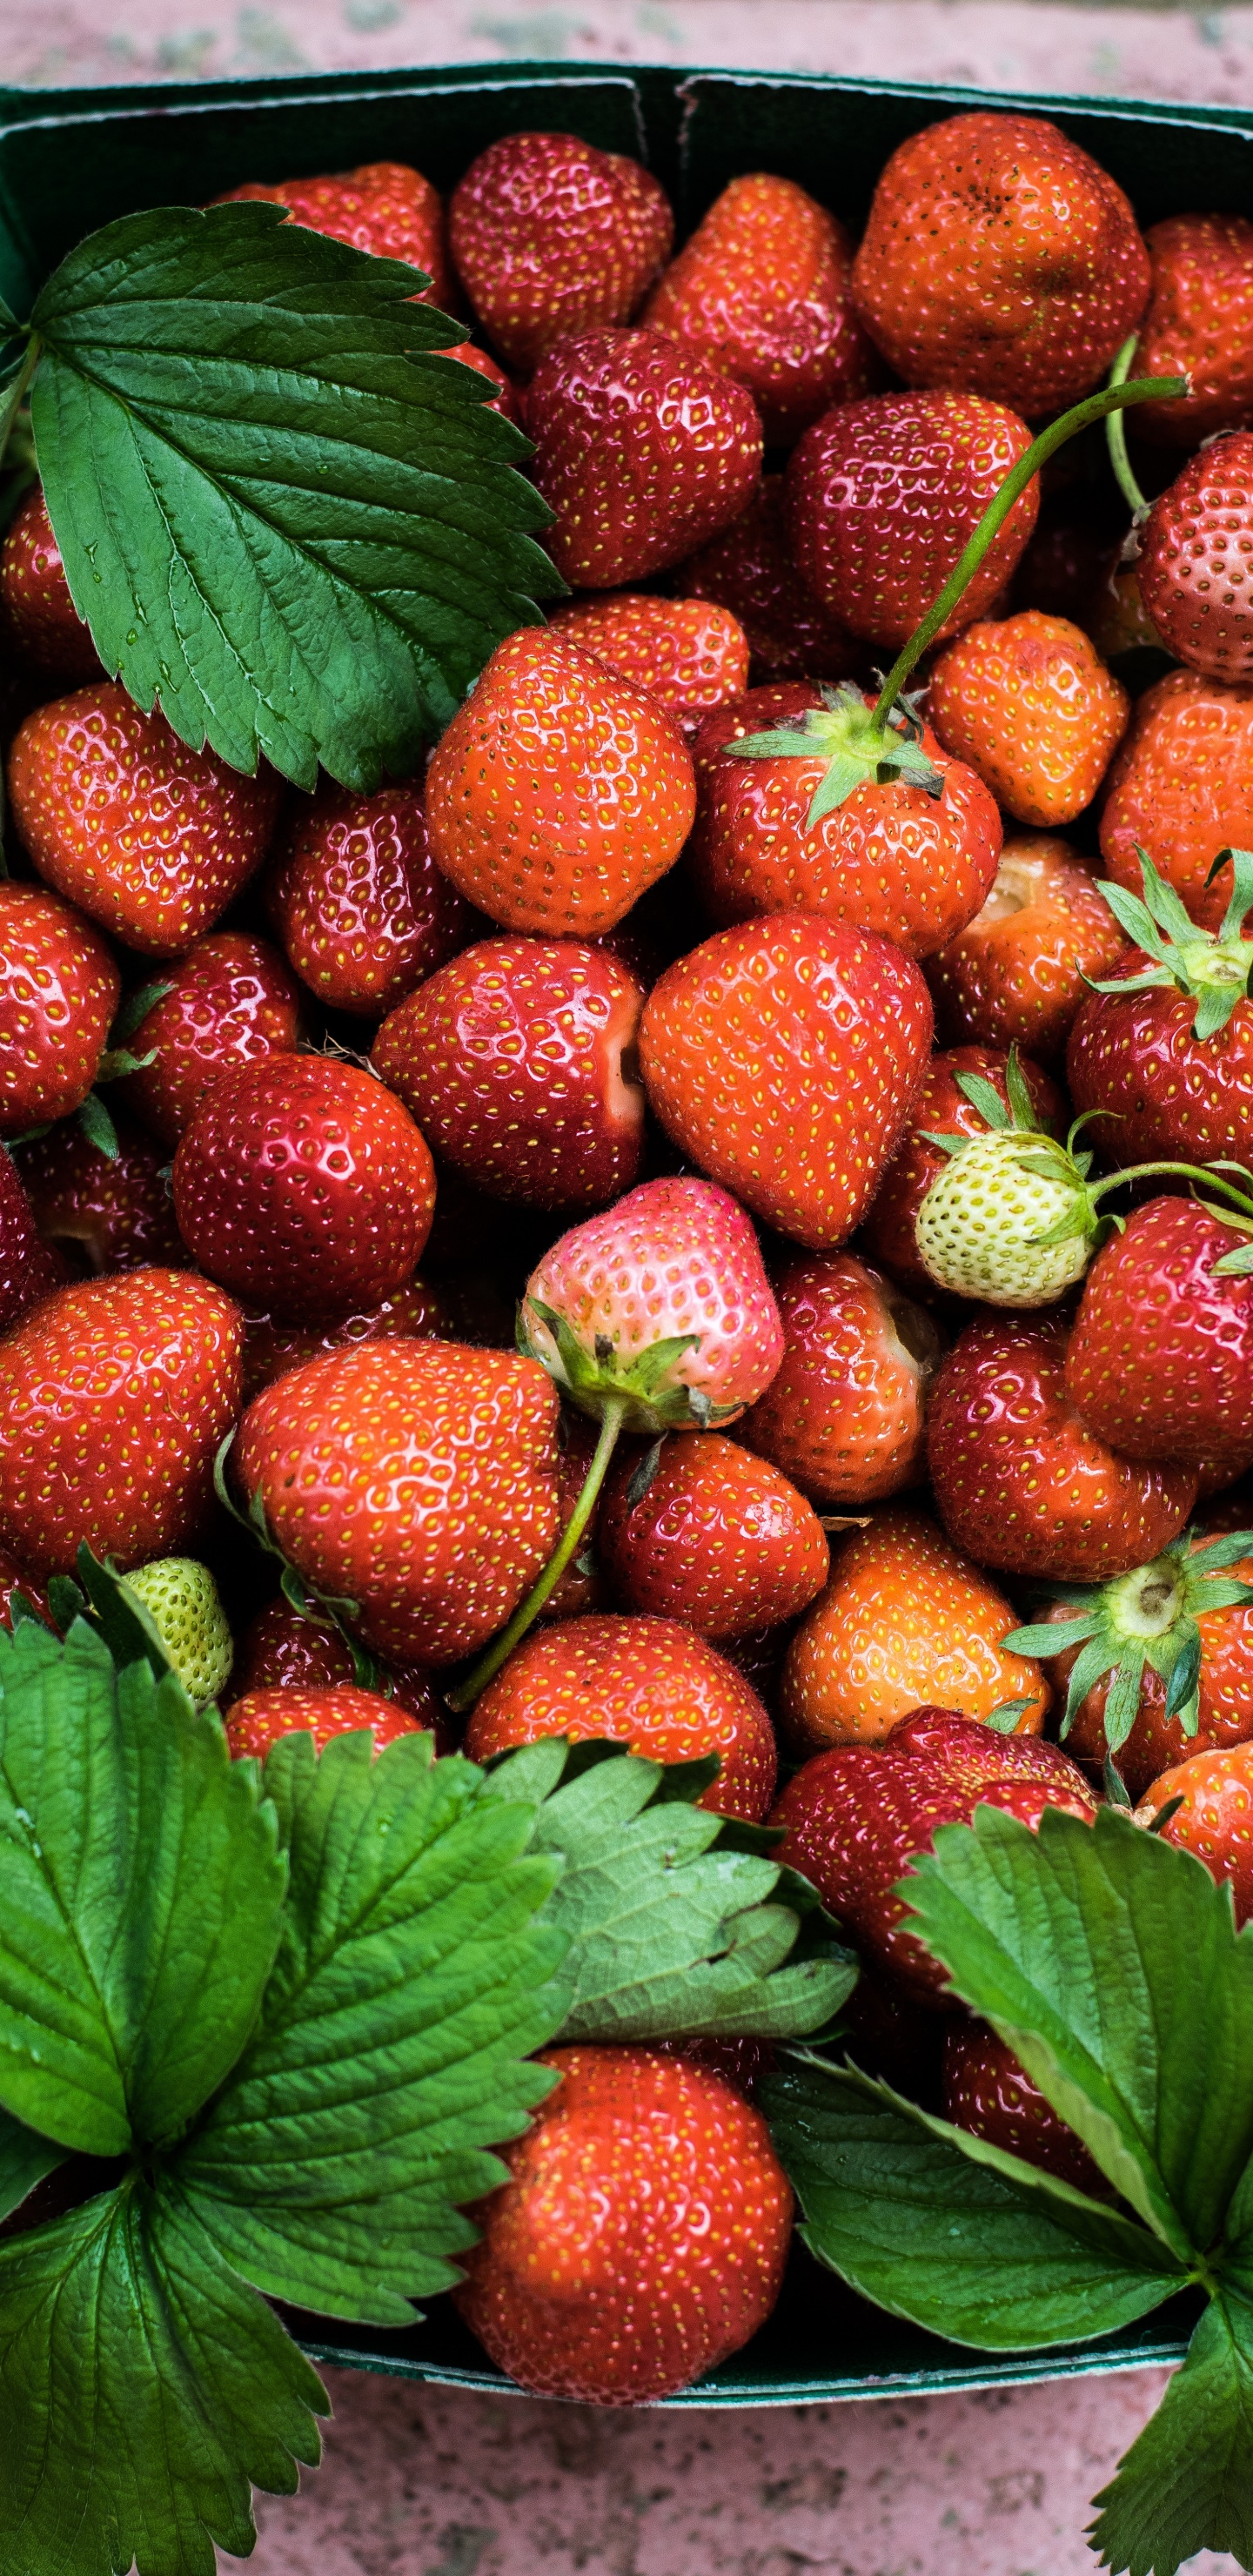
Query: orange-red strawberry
(1164, 1049)
(941, 1108)
(103, 1211)
(688, 653)
(559, 793)
(641, 2236)
(749, 569)
(784, 1056)
(883, 496)
(761, 291)
(1160, 1360)
(115, 1396)
(149, 838)
(1029, 703)
(384, 207)
(1020, 1481)
(511, 1061)
(302, 1184)
(552, 237)
(1215, 1819)
(358, 902)
(1199, 324)
(999, 258)
(649, 1683)
(258, 1719)
(905, 1619)
(229, 1001)
(1019, 973)
(273, 1345)
(987, 2092)
(1181, 788)
(1196, 555)
(1171, 1644)
(38, 618)
(417, 1479)
(844, 1415)
(58, 992)
(641, 451)
(717, 1537)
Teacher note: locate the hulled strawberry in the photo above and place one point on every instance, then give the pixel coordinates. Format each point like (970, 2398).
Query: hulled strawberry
(688, 653)
(1163, 1049)
(989, 2094)
(273, 1344)
(229, 1001)
(1160, 1360)
(103, 1211)
(1214, 1792)
(59, 986)
(944, 1106)
(750, 570)
(552, 237)
(384, 207)
(1199, 324)
(259, 1719)
(37, 614)
(1180, 790)
(1030, 705)
(1196, 549)
(843, 1417)
(358, 902)
(710, 1534)
(1018, 974)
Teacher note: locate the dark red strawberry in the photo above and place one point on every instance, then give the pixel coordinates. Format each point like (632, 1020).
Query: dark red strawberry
(987, 2092)
(1164, 1048)
(844, 1415)
(37, 615)
(103, 1211)
(1160, 1361)
(281, 1650)
(749, 569)
(505, 399)
(358, 902)
(273, 1345)
(259, 1719)
(942, 1108)
(58, 992)
(29, 1268)
(1196, 561)
(384, 207)
(228, 1002)
(552, 237)
(716, 1537)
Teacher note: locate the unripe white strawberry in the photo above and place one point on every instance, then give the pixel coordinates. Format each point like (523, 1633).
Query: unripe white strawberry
(183, 1603)
(1008, 1221)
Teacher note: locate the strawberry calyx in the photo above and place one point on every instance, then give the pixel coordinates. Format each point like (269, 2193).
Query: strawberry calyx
(1213, 967)
(861, 743)
(645, 1392)
(1145, 1618)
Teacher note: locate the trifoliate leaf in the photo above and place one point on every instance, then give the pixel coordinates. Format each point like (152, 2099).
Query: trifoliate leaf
(1187, 2483)
(24, 2160)
(410, 1989)
(286, 520)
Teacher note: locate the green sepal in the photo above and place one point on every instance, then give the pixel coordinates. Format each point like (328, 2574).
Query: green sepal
(637, 1391)
(97, 1125)
(1212, 967)
(1115, 1631)
(321, 1609)
(133, 1008)
(857, 747)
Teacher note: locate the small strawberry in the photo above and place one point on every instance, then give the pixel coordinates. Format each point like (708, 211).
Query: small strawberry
(749, 570)
(1029, 704)
(147, 837)
(641, 2236)
(185, 1607)
(1000, 259)
(37, 615)
(641, 452)
(552, 237)
(282, 1649)
(904, 1617)
(103, 1211)
(1010, 1219)
(505, 399)
(688, 653)
(1199, 324)
(303, 1185)
(384, 207)
(1163, 1049)
(29, 1268)
(511, 1059)
(943, 1106)
(358, 902)
(1214, 1792)
(229, 1001)
(705, 1532)
(272, 1346)
(1196, 549)
(844, 1415)
(58, 992)
(1160, 1360)
(761, 292)
(559, 793)
(1020, 1482)
(115, 1396)
(259, 1719)
(1180, 790)
(784, 1056)
(989, 2094)
(1018, 974)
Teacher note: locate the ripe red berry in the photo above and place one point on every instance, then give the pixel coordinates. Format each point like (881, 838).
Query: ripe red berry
(1196, 561)
(987, 2092)
(259, 1719)
(717, 1538)
(750, 570)
(29, 1267)
(844, 1415)
(37, 613)
(1028, 702)
(280, 1650)
(103, 1211)
(358, 902)
(689, 654)
(1181, 788)
(229, 1001)
(1160, 1361)
(273, 1345)
(1199, 324)
(384, 207)
(1019, 973)
(552, 237)
(1215, 1820)
(58, 992)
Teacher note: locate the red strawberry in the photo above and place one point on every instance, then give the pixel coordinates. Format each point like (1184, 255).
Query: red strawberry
(511, 1060)
(116, 1396)
(688, 654)
(844, 1416)
(416, 1313)
(1175, 1634)
(784, 1057)
(1181, 788)
(552, 237)
(504, 400)
(649, 1683)
(282, 1650)
(384, 207)
(103, 1211)
(151, 839)
(883, 495)
(1019, 1480)
(856, 1816)
(1199, 324)
(717, 1538)
(38, 615)
(894, 856)
(1196, 549)
(435, 1470)
(761, 291)
(987, 2092)
(941, 1108)
(58, 993)
(1018, 974)
(1164, 1049)
(358, 902)
(1028, 702)
(1000, 259)
(259, 1719)
(559, 793)
(1214, 1818)
(14, 1578)
(302, 1184)
(749, 569)
(229, 1001)
(29, 1268)
(641, 451)
(641, 2236)
(1160, 1361)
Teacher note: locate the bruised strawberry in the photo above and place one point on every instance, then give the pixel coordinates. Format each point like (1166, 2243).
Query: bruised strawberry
(58, 993)
(1196, 552)
(688, 654)
(416, 1313)
(1199, 324)
(358, 902)
(989, 2094)
(1181, 789)
(717, 1537)
(749, 570)
(844, 1415)
(229, 1001)
(1020, 972)
(552, 237)
(103, 1211)
(38, 618)
(384, 207)
(1215, 1818)
(1030, 705)
(1160, 1361)
(259, 1719)
(942, 1108)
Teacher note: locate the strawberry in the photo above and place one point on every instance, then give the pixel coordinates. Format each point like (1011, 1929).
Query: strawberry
(552, 237)
(185, 1607)
(511, 1060)
(559, 793)
(302, 1184)
(1011, 1218)
(909, 850)
(1018, 974)
(1180, 790)
(1164, 1048)
(582, 1587)
(58, 993)
(1194, 560)
(149, 838)
(649, 1683)
(1199, 324)
(716, 1537)
(229, 1001)
(856, 1816)
(989, 2094)
(281, 1649)
(259, 1719)
(103, 1211)
(416, 1313)
(37, 615)
(504, 399)
(749, 569)
(384, 207)
(784, 1056)
(641, 451)
(904, 1615)
(883, 495)
(15, 1578)
(1000, 259)
(29, 1268)
(116, 1395)
(761, 292)
(1160, 1361)
(688, 653)
(844, 1415)
(1029, 704)
(358, 902)
(1215, 1791)
(943, 1107)
(641, 2235)
(436, 1472)
(1020, 1482)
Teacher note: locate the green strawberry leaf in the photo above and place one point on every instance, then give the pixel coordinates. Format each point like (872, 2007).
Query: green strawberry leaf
(286, 519)
(97, 1125)
(1186, 2484)
(140, 1896)
(24, 2160)
(119, 1616)
(134, 1008)
(983, 1096)
(144, 2389)
(939, 2227)
(390, 2055)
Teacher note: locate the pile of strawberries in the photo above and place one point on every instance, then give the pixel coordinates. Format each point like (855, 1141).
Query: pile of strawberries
(724, 1016)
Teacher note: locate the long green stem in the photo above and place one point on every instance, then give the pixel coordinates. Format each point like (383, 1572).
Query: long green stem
(1097, 407)
(1178, 1171)
(528, 1611)
(1116, 437)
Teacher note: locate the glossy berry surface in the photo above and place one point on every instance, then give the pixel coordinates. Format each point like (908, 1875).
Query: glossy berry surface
(941, 1109)
(229, 1001)
(987, 2092)
(59, 986)
(1199, 324)
(1030, 705)
(1216, 1818)
(103, 1212)
(1196, 561)
(1181, 788)
(358, 902)
(551, 237)
(1020, 972)
(1160, 1361)
(844, 1415)
(751, 571)
(29, 1267)
(719, 1539)
(689, 654)
(37, 614)
(258, 1719)
(384, 206)
(273, 1344)
(1165, 1093)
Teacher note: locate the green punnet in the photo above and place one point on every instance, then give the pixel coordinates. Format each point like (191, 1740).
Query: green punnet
(1143, 1619)
(183, 1603)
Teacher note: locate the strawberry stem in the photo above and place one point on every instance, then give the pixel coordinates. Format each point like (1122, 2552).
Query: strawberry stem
(1116, 439)
(1208, 1179)
(527, 1612)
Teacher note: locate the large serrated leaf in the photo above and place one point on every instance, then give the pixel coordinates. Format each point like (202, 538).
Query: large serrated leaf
(1187, 2483)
